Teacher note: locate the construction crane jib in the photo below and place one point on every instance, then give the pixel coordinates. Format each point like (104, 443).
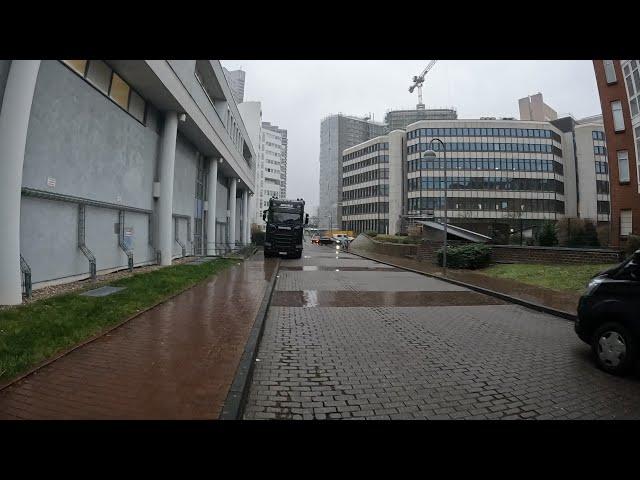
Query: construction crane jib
(418, 81)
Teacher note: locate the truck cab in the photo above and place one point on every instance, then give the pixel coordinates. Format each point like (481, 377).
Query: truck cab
(285, 225)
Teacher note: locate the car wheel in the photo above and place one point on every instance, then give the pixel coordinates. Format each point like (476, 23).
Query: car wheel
(615, 348)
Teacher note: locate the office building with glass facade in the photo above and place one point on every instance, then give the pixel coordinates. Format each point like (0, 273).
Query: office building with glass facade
(500, 175)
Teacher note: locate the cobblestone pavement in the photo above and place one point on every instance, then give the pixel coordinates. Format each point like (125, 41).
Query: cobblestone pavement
(321, 360)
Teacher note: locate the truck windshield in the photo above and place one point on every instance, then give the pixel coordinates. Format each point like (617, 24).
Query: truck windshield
(285, 217)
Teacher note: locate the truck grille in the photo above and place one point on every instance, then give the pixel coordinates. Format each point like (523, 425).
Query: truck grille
(283, 241)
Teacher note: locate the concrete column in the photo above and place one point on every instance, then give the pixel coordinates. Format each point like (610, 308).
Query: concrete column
(212, 189)
(245, 217)
(233, 182)
(14, 122)
(165, 202)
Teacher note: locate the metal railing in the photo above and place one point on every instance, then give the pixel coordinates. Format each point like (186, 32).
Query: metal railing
(81, 241)
(121, 243)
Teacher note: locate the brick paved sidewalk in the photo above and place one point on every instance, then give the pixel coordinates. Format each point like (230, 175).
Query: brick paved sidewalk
(559, 300)
(176, 361)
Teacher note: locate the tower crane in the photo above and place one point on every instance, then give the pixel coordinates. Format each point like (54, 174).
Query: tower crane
(418, 80)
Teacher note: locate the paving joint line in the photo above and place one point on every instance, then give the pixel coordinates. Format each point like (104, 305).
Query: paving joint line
(503, 296)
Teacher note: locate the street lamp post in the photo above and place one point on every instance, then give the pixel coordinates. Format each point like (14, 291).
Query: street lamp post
(521, 210)
(432, 155)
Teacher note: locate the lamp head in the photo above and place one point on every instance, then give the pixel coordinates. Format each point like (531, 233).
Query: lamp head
(429, 154)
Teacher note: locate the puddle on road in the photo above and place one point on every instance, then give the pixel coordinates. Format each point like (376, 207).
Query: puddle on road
(310, 298)
(341, 298)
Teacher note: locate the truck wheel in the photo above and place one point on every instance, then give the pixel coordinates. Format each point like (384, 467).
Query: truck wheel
(615, 348)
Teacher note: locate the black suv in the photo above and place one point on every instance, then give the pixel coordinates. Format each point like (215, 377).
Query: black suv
(609, 316)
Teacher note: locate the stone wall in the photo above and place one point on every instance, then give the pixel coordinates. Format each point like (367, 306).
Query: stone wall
(427, 251)
(553, 255)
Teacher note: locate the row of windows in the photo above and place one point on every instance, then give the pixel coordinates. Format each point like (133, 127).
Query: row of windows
(602, 186)
(631, 76)
(599, 150)
(366, 192)
(512, 205)
(506, 164)
(370, 149)
(357, 226)
(366, 163)
(602, 167)
(378, 207)
(487, 183)
(231, 126)
(102, 76)
(597, 135)
(487, 147)
(483, 132)
(366, 176)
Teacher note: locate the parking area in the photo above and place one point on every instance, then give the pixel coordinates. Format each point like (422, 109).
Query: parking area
(350, 338)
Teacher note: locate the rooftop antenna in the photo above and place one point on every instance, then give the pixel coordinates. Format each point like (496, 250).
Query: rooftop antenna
(418, 81)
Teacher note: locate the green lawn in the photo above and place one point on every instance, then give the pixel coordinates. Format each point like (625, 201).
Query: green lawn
(29, 334)
(558, 277)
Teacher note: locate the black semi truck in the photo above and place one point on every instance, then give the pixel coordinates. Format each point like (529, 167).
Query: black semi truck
(285, 224)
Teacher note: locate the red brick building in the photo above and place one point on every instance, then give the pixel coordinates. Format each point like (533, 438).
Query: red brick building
(621, 151)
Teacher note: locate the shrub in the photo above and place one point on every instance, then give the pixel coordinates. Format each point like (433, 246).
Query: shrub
(469, 256)
(257, 237)
(590, 234)
(577, 232)
(371, 233)
(633, 244)
(547, 236)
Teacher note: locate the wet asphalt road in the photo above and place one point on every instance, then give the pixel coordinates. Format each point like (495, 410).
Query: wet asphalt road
(350, 338)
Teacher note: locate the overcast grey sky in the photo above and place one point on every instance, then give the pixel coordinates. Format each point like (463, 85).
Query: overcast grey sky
(296, 95)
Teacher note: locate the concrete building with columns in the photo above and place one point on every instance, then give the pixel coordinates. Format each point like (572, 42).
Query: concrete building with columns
(118, 163)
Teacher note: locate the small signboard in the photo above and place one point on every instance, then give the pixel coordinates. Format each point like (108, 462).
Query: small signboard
(51, 182)
(128, 237)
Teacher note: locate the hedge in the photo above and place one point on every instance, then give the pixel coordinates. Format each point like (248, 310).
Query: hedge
(471, 256)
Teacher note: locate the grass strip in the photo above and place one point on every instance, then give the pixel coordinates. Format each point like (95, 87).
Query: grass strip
(30, 334)
(558, 277)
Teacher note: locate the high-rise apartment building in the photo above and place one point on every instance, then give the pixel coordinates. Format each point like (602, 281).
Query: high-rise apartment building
(619, 87)
(337, 133)
(271, 165)
(276, 150)
(235, 78)
(534, 108)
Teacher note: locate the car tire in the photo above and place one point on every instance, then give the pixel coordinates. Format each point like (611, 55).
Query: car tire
(615, 348)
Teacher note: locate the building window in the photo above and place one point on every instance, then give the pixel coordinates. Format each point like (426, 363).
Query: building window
(119, 92)
(618, 118)
(623, 166)
(637, 132)
(137, 106)
(101, 76)
(80, 66)
(626, 223)
(609, 71)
